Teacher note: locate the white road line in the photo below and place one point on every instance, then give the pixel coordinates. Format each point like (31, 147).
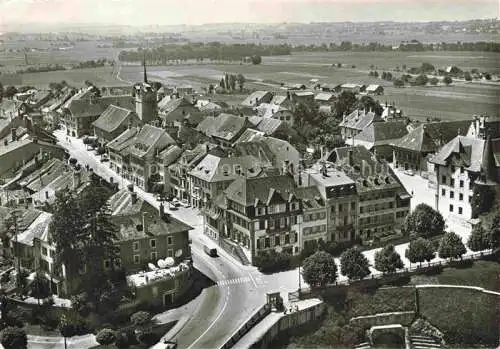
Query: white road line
(251, 278)
(220, 313)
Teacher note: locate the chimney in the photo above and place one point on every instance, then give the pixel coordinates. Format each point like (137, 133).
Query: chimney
(76, 179)
(134, 198)
(13, 134)
(161, 211)
(144, 222)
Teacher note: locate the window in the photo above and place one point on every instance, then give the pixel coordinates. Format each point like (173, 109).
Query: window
(452, 182)
(452, 194)
(44, 251)
(170, 252)
(258, 244)
(461, 197)
(340, 207)
(118, 262)
(361, 209)
(453, 169)
(137, 259)
(276, 240)
(460, 210)
(470, 185)
(154, 256)
(462, 170)
(261, 211)
(443, 192)
(461, 184)
(152, 243)
(262, 224)
(353, 205)
(443, 179)
(451, 208)
(170, 240)
(136, 245)
(267, 243)
(282, 222)
(345, 220)
(107, 264)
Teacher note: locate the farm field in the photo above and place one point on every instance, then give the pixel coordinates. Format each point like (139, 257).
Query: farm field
(458, 101)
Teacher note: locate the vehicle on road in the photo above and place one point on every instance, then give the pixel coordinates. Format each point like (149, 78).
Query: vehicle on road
(210, 249)
(104, 158)
(184, 203)
(172, 207)
(176, 202)
(409, 172)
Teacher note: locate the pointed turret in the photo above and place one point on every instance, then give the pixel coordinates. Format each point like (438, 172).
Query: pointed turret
(488, 174)
(144, 66)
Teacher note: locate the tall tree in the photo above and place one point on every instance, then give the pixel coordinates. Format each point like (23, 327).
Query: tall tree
(420, 250)
(447, 80)
(368, 103)
(451, 246)
(354, 264)
(345, 104)
(106, 337)
(222, 83)
(1, 91)
(481, 239)
(241, 81)
(232, 81)
(319, 269)
(67, 230)
(387, 260)
(10, 91)
(13, 338)
(424, 221)
(226, 81)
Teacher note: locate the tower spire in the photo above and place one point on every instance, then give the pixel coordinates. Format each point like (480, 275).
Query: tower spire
(488, 175)
(144, 66)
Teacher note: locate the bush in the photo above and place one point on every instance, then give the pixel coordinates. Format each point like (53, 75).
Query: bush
(271, 261)
(13, 338)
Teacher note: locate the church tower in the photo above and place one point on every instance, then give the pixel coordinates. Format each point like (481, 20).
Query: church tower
(145, 99)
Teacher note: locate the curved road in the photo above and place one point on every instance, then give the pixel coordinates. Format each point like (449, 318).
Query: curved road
(222, 308)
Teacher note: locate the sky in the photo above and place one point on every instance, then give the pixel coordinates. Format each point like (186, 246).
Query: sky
(193, 12)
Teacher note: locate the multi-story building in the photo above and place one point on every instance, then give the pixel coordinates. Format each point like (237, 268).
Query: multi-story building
(224, 129)
(460, 165)
(135, 154)
(261, 214)
(213, 174)
(314, 216)
(338, 191)
(113, 122)
(413, 151)
(382, 201)
(357, 121)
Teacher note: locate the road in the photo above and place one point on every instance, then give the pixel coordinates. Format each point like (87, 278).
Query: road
(221, 308)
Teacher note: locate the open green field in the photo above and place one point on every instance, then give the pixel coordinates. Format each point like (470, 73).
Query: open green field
(464, 316)
(458, 101)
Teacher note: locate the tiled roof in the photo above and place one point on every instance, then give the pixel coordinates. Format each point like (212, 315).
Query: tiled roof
(167, 106)
(124, 140)
(251, 191)
(225, 126)
(278, 99)
(358, 120)
(429, 137)
(38, 228)
(311, 197)
(350, 86)
(215, 169)
(303, 93)
(257, 95)
(250, 135)
(372, 88)
(147, 138)
(112, 118)
(367, 172)
(324, 96)
(120, 204)
(97, 105)
(269, 126)
(462, 151)
(258, 149)
(170, 154)
(383, 132)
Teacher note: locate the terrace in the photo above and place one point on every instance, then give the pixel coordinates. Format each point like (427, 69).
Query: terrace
(145, 278)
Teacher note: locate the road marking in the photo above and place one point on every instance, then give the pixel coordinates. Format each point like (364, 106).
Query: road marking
(218, 316)
(241, 280)
(253, 280)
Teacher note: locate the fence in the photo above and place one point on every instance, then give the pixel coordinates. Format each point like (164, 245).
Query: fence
(257, 316)
(381, 278)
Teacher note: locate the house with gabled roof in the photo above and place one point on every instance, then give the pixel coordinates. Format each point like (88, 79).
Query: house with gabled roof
(261, 214)
(413, 151)
(356, 122)
(113, 122)
(379, 136)
(135, 154)
(173, 111)
(375, 90)
(325, 98)
(461, 165)
(214, 173)
(256, 98)
(224, 129)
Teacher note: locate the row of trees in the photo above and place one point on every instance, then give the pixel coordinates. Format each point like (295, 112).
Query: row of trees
(201, 51)
(320, 268)
(229, 81)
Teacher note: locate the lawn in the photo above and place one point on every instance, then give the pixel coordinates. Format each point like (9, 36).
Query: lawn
(466, 317)
(382, 300)
(484, 274)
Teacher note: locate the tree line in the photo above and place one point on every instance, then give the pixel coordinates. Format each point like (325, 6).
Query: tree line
(203, 51)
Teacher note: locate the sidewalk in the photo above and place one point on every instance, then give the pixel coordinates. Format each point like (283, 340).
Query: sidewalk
(263, 327)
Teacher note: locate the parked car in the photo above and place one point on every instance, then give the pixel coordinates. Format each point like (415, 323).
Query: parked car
(104, 158)
(409, 172)
(184, 203)
(172, 207)
(176, 202)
